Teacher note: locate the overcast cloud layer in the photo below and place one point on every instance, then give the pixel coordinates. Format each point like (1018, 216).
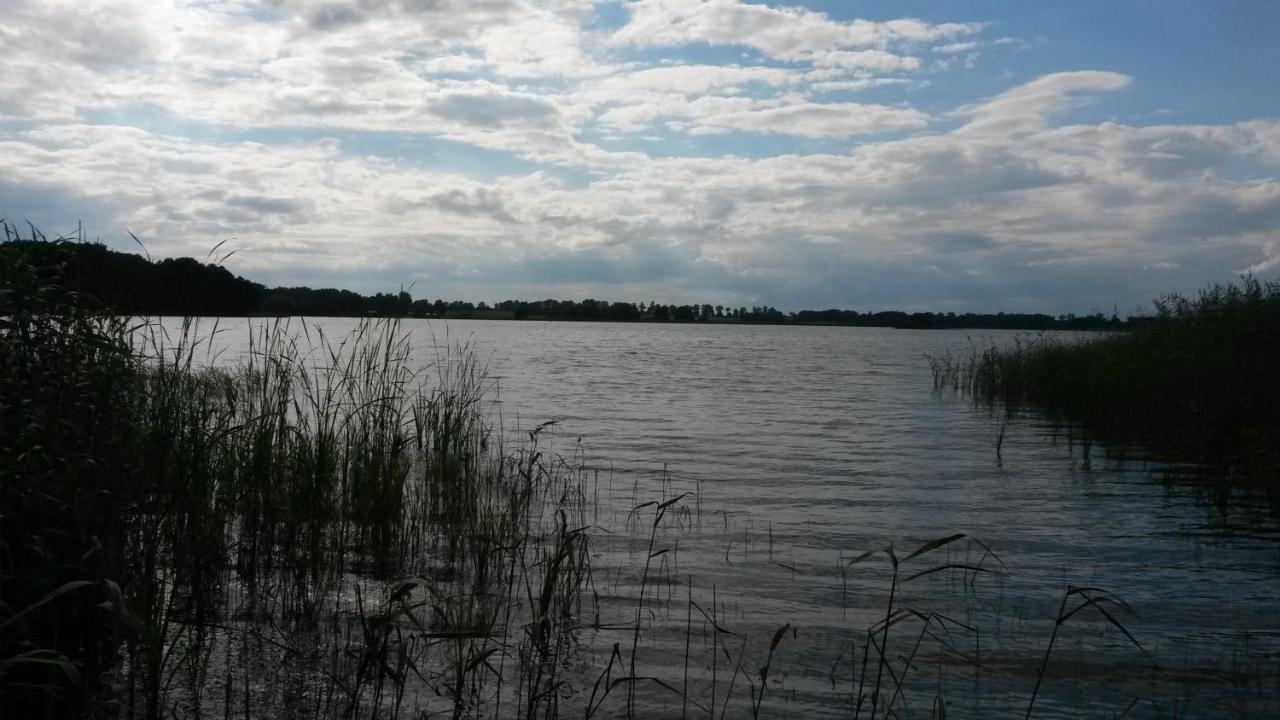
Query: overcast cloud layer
(714, 151)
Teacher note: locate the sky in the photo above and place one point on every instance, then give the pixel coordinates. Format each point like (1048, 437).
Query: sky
(988, 155)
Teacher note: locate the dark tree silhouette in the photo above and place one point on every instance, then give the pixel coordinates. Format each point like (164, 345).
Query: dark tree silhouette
(135, 285)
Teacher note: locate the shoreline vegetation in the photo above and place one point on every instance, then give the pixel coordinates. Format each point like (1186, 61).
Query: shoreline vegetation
(182, 287)
(316, 533)
(1196, 383)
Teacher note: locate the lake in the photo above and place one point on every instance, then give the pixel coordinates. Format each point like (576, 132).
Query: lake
(801, 448)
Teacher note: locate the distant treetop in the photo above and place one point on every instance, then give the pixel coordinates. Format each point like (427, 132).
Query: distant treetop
(134, 285)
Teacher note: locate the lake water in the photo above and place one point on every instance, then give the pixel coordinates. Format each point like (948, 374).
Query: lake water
(803, 447)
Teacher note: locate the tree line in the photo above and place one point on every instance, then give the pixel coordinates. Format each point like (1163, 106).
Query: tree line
(135, 285)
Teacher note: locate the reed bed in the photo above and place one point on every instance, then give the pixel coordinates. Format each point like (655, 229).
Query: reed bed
(1193, 383)
(329, 533)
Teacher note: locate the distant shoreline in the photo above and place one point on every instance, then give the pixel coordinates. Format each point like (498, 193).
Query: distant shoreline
(133, 285)
(605, 321)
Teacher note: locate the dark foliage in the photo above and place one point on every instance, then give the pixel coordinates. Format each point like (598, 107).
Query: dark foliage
(157, 518)
(66, 465)
(133, 285)
(951, 320)
(1196, 381)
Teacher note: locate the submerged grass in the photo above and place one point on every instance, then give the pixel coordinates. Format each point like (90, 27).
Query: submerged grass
(1196, 382)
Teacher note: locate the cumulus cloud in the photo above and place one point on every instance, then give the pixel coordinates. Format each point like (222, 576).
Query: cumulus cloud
(296, 127)
(532, 77)
(495, 107)
(811, 120)
(784, 33)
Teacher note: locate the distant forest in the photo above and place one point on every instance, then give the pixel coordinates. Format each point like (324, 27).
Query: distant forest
(134, 285)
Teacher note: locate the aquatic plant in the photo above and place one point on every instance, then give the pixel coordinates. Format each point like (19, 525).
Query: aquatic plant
(1194, 382)
(336, 531)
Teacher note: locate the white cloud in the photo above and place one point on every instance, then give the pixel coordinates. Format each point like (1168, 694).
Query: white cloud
(1088, 203)
(688, 80)
(492, 107)
(788, 115)
(780, 32)
(1031, 105)
(1270, 260)
(446, 64)
(953, 48)
(868, 60)
(1013, 195)
(811, 120)
(862, 84)
(534, 83)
